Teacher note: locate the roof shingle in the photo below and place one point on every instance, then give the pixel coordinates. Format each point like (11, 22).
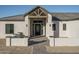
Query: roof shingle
(13, 18)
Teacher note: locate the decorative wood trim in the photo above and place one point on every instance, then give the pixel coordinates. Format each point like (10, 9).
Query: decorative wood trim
(37, 16)
(35, 13)
(38, 13)
(41, 12)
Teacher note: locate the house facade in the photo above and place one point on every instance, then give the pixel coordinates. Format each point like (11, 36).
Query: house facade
(40, 22)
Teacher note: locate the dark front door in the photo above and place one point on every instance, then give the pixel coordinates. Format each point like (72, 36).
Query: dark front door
(37, 29)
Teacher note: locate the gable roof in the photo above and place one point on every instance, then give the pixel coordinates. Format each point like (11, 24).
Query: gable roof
(35, 9)
(55, 16)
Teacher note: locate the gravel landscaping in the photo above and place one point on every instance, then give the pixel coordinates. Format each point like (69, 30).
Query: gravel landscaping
(63, 50)
(15, 50)
(2, 42)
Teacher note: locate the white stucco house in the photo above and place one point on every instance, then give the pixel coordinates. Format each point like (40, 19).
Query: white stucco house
(61, 29)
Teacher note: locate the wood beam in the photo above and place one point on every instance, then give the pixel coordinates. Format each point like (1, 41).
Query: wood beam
(35, 13)
(37, 17)
(41, 13)
(38, 11)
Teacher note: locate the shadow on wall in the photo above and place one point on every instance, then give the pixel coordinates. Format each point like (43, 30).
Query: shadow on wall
(31, 42)
(55, 20)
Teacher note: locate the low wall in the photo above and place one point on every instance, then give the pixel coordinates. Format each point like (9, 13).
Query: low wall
(16, 41)
(64, 41)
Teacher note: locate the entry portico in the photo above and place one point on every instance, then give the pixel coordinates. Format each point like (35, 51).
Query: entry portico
(37, 19)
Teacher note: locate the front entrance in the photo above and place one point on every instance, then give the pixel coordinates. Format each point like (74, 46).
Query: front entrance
(37, 28)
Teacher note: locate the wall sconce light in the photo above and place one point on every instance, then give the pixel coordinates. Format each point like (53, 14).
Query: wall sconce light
(26, 25)
(50, 25)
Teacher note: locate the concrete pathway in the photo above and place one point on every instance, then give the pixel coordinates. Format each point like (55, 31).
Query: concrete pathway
(39, 50)
(38, 45)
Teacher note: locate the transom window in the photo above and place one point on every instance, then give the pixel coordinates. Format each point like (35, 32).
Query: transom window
(9, 28)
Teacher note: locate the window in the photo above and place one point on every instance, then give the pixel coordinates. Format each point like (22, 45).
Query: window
(54, 27)
(64, 27)
(9, 28)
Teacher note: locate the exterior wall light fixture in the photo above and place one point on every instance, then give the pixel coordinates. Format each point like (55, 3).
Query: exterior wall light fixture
(26, 25)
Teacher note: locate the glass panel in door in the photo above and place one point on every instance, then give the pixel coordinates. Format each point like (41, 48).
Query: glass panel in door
(37, 29)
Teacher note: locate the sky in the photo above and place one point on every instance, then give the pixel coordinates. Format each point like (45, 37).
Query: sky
(10, 10)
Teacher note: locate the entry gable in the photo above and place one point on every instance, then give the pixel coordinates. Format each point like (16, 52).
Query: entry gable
(38, 12)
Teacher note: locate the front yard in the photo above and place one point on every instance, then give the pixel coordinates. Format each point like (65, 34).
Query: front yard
(2, 42)
(37, 48)
(63, 49)
(13, 50)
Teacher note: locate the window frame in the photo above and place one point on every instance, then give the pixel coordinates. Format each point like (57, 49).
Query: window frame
(54, 27)
(9, 28)
(64, 27)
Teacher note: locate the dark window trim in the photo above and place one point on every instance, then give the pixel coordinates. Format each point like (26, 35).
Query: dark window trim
(11, 28)
(64, 27)
(54, 27)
